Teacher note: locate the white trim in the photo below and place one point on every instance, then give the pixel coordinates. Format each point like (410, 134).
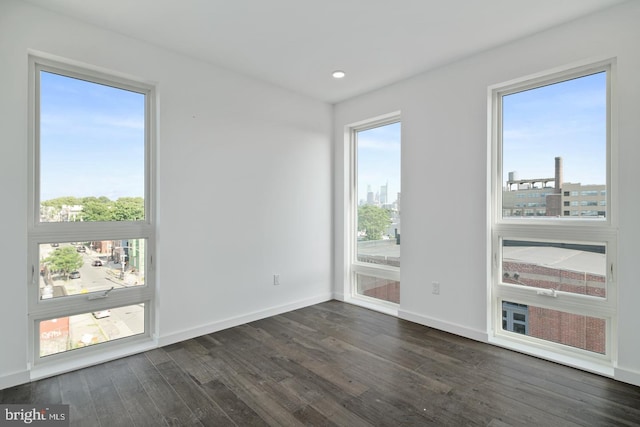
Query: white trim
(231, 322)
(453, 328)
(374, 304)
(495, 92)
(627, 375)
(339, 296)
(45, 232)
(580, 230)
(354, 267)
(95, 355)
(14, 379)
(585, 364)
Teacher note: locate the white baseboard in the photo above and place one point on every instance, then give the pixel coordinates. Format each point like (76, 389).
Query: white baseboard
(92, 358)
(452, 328)
(627, 376)
(93, 355)
(14, 379)
(240, 320)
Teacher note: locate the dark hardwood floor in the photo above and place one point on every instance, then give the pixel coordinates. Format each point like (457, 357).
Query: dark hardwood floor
(334, 364)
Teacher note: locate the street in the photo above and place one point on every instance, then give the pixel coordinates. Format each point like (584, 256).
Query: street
(91, 327)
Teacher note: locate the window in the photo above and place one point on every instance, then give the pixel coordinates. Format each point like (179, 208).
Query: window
(553, 284)
(514, 317)
(91, 228)
(376, 208)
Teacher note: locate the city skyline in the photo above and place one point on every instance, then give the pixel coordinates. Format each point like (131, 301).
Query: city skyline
(379, 160)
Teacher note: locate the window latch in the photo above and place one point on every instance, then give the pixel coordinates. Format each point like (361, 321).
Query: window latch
(102, 295)
(547, 293)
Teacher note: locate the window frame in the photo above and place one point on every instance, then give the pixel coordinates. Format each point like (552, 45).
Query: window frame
(356, 267)
(575, 229)
(39, 232)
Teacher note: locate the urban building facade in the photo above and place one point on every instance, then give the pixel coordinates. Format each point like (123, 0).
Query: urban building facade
(551, 197)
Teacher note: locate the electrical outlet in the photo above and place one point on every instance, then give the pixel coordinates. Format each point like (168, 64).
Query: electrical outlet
(435, 288)
(276, 279)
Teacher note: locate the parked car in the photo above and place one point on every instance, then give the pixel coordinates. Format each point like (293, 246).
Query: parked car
(81, 249)
(97, 263)
(102, 313)
(74, 275)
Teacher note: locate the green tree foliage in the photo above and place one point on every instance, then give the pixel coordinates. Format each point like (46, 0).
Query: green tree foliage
(95, 210)
(373, 220)
(64, 260)
(102, 208)
(60, 201)
(128, 209)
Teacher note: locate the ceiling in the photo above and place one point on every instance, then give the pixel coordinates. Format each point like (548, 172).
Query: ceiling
(296, 44)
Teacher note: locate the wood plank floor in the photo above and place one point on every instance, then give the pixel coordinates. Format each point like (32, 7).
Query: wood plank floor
(334, 364)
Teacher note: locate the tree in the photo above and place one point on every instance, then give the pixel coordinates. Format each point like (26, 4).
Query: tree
(373, 220)
(102, 208)
(128, 209)
(97, 210)
(64, 259)
(61, 201)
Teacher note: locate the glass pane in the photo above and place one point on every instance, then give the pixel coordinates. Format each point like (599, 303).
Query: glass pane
(375, 287)
(575, 330)
(378, 190)
(73, 268)
(554, 141)
(92, 151)
(82, 330)
(566, 267)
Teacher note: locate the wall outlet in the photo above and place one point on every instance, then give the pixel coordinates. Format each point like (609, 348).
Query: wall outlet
(276, 279)
(435, 288)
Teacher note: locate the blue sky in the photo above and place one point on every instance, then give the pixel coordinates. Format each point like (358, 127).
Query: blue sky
(91, 139)
(567, 120)
(379, 160)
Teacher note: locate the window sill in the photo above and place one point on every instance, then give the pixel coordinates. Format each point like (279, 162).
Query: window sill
(600, 367)
(45, 368)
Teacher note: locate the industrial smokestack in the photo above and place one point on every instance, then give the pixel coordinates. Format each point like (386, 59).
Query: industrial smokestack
(558, 176)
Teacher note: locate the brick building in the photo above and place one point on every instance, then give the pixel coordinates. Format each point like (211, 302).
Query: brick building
(575, 271)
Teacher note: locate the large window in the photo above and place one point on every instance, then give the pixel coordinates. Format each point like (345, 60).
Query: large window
(91, 228)
(553, 282)
(376, 206)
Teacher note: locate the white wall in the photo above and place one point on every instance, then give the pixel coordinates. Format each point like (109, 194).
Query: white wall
(444, 127)
(244, 187)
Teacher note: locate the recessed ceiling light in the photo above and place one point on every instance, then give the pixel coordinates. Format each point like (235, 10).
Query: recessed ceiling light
(338, 74)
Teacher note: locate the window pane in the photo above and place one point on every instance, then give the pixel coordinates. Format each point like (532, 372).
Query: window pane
(378, 192)
(82, 330)
(91, 151)
(566, 267)
(575, 330)
(375, 287)
(73, 268)
(554, 141)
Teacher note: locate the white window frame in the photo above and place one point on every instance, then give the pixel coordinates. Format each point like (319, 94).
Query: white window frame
(356, 267)
(566, 229)
(58, 232)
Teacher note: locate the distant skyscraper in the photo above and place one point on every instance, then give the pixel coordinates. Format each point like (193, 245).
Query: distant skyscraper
(370, 196)
(384, 198)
